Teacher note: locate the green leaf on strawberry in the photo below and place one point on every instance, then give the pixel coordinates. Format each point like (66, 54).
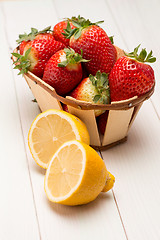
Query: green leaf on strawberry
(72, 58)
(96, 98)
(31, 36)
(68, 32)
(80, 23)
(22, 63)
(111, 38)
(100, 81)
(142, 56)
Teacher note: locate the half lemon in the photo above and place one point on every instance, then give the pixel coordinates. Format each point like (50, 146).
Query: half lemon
(50, 130)
(76, 175)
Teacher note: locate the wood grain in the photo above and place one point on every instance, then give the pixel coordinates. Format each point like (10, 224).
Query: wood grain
(17, 206)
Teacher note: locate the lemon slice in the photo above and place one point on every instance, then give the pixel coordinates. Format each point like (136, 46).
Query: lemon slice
(76, 174)
(50, 130)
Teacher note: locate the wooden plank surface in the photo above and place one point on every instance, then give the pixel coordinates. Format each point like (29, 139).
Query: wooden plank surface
(17, 206)
(136, 167)
(131, 210)
(136, 163)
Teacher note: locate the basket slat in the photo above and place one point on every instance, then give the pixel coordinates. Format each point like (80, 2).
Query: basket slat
(135, 112)
(88, 117)
(117, 125)
(44, 99)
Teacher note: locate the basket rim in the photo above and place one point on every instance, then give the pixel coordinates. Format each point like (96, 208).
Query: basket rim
(120, 105)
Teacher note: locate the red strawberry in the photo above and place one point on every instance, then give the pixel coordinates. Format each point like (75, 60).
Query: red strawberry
(64, 71)
(41, 52)
(95, 43)
(131, 77)
(85, 73)
(101, 121)
(59, 32)
(93, 90)
(22, 46)
(25, 38)
(65, 107)
(41, 49)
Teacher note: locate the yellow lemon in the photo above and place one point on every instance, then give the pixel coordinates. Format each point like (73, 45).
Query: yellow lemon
(75, 175)
(50, 130)
(109, 182)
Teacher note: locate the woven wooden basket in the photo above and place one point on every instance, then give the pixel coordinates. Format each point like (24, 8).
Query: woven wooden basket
(120, 118)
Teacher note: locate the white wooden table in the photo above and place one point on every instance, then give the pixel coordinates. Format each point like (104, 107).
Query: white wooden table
(132, 210)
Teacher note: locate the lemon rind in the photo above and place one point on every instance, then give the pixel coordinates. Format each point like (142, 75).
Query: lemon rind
(48, 193)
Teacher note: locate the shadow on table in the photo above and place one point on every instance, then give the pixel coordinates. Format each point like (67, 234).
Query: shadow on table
(68, 211)
(38, 169)
(129, 151)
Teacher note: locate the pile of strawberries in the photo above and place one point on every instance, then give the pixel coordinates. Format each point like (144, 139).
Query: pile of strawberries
(78, 59)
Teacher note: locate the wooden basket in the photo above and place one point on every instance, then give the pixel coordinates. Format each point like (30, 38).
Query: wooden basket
(120, 118)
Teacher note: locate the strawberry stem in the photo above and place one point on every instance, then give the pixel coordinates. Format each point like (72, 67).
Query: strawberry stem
(31, 36)
(142, 56)
(80, 23)
(111, 38)
(72, 58)
(100, 81)
(22, 63)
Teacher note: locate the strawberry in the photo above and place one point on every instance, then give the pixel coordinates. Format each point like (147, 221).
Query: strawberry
(60, 30)
(85, 73)
(64, 71)
(93, 90)
(22, 46)
(25, 38)
(131, 77)
(101, 121)
(41, 52)
(42, 47)
(95, 43)
(65, 108)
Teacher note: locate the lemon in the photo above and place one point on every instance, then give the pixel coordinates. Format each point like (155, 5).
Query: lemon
(50, 130)
(109, 182)
(76, 175)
